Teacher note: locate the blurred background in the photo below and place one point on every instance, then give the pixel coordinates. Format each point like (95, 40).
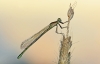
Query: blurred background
(20, 19)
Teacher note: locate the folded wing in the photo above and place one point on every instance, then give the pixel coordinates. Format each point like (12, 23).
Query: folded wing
(34, 38)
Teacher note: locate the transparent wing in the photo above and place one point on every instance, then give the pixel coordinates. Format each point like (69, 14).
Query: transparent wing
(27, 43)
(34, 38)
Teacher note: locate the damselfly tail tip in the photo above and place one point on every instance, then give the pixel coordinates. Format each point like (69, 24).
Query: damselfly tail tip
(19, 56)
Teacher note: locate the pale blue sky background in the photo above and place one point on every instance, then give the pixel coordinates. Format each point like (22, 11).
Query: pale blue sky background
(20, 19)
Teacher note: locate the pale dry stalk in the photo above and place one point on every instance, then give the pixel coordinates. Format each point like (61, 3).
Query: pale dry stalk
(66, 43)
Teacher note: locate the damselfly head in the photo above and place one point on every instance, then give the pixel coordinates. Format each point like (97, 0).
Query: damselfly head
(59, 20)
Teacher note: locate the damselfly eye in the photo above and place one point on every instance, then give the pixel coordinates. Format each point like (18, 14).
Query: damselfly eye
(59, 20)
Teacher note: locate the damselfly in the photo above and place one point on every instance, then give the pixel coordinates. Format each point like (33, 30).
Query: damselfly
(27, 43)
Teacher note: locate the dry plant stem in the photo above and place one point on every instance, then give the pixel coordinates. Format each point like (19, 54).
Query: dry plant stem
(67, 28)
(64, 56)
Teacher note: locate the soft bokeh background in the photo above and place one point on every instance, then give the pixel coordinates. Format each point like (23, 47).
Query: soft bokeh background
(20, 19)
